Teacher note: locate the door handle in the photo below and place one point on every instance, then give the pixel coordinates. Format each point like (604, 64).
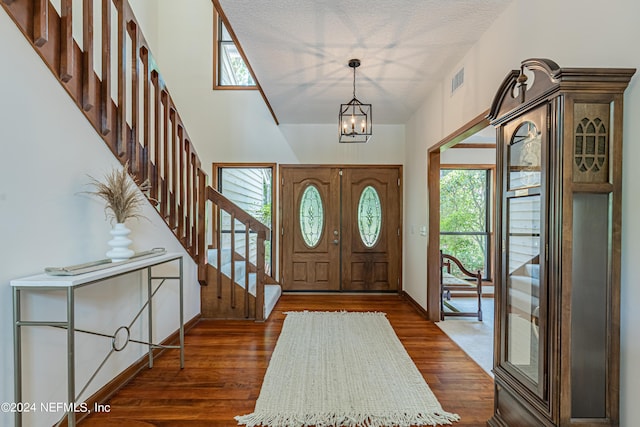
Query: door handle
(336, 241)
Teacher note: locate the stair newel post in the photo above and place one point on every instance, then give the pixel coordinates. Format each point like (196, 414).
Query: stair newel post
(246, 268)
(233, 260)
(262, 236)
(88, 80)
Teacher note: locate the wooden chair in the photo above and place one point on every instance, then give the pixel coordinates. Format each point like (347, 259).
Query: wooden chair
(449, 283)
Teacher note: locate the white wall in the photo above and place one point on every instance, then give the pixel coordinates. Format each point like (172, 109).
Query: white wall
(236, 126)
(574, 34)
(146, 13)
(420, 128)
(48, 148)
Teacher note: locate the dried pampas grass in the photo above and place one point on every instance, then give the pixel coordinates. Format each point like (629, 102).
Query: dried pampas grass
(120, 193)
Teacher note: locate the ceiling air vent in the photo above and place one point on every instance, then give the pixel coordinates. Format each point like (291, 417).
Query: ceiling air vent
(457, 80)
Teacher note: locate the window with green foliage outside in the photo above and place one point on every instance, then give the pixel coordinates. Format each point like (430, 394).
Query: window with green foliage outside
(465, 217)
(232, 71)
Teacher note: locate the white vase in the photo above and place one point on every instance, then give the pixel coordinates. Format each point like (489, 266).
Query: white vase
(119, 244)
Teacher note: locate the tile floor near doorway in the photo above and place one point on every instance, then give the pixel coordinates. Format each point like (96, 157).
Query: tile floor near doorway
(473, 336)
(225, 362)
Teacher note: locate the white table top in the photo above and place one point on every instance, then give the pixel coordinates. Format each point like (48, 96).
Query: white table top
(48, 281)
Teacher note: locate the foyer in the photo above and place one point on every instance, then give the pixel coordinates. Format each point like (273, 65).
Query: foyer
(50, 146)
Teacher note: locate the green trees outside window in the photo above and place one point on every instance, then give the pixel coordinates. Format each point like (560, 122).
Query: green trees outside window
(465, 217)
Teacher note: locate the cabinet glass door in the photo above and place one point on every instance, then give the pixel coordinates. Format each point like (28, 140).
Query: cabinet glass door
(524, 345)
(523, 286)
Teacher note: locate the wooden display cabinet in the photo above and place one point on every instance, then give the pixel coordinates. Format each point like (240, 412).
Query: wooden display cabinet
(557, 350)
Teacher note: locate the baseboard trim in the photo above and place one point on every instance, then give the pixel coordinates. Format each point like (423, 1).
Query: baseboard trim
(112, 387)
(421, 310)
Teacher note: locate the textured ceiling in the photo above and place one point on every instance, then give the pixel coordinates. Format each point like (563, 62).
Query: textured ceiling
(299, 51)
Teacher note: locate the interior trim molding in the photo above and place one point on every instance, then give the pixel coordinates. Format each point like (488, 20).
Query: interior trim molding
(112, 387)
(476, 124)
(472, 166)
(433, 183)
(472, 145)
(420, 309)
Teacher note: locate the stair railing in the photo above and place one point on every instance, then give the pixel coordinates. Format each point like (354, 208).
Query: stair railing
(238, 222)
(105, 64)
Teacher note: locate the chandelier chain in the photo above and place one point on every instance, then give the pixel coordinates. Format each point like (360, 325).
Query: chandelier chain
(354, 82)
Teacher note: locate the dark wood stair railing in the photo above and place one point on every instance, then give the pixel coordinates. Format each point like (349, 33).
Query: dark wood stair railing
(237, 216)
(137, 118)
(141, 125)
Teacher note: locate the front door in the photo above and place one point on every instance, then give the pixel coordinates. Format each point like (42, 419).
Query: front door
(341, 228)
(310, 227)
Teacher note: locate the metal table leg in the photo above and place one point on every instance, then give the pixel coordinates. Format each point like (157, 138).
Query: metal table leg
(150, 312)
(181, 316)
(17, 354)
(71, 362)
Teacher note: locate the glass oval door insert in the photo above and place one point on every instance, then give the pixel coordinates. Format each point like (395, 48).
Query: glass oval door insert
(311, 216)
(369, 216)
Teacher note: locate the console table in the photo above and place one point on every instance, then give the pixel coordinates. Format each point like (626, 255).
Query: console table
(119, 339)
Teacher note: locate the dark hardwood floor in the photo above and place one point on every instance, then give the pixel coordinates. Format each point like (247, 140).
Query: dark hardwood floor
(225, 362)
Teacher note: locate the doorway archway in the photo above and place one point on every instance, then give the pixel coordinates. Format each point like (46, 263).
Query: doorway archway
(433, 184)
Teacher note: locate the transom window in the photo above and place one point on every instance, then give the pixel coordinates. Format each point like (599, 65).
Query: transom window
(231, 68)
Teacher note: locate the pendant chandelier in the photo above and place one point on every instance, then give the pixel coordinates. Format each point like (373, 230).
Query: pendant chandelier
(354, 121)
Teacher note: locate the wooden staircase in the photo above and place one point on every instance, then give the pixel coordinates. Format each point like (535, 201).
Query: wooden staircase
(238, 288)
(244, 289)
(133, 112)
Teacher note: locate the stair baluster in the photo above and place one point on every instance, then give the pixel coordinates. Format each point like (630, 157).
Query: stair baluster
(247, 264)
(232, 284)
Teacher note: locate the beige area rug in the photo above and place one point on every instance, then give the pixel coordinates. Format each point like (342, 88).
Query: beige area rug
(343, 369)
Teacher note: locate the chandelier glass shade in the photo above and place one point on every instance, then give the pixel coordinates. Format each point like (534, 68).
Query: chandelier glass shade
(354, 120)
